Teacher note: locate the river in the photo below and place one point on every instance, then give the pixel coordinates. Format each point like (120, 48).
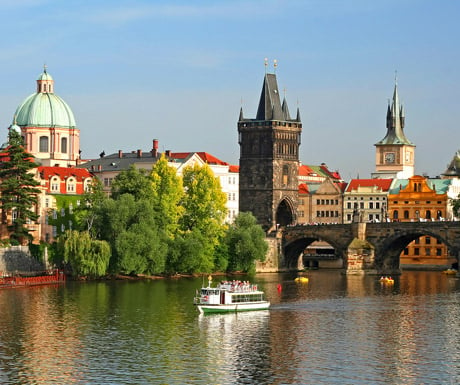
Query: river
(335, 329)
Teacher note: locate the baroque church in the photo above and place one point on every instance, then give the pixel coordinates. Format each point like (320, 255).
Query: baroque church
(47, 125)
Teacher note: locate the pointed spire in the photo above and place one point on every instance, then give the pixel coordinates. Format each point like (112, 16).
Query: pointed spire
(269, 104)
(241, 115)
(298, 115)
(285, 110)
(395, 121)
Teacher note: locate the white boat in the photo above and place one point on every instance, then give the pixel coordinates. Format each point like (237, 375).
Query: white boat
(230, 296)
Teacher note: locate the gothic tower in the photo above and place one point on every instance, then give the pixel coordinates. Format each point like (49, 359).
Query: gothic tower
(394, 154)
(269, 159)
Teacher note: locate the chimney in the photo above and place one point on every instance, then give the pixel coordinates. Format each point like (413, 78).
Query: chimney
(155, 148)
(120, 154)
(139, 153)
(168, 153)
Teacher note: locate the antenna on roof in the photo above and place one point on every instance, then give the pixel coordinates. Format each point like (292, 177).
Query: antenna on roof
(265, 64)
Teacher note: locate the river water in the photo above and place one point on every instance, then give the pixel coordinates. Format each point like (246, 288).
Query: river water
(335, 329)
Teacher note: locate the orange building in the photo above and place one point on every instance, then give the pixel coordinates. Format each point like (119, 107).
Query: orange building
(421, 199)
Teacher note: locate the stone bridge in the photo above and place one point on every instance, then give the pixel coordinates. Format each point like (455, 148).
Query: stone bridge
(372, 248)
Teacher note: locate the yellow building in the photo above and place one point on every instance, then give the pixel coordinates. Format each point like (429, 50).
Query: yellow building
(421, 199)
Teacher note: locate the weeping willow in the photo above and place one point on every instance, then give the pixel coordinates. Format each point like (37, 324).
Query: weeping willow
(86, 256)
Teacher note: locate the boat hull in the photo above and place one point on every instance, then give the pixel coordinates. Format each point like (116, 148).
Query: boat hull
(233, 308)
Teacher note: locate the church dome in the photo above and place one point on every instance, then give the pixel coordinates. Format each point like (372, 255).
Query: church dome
(44, 108)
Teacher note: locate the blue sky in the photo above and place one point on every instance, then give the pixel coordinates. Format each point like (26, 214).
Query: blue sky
(179, 71)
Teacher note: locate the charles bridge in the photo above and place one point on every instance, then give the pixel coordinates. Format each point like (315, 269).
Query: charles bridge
(364, 248)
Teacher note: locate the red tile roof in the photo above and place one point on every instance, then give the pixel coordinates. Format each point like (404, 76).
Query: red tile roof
(303, 189)
(208, 158)
(233, 168)
(383, 184)
(63, 172)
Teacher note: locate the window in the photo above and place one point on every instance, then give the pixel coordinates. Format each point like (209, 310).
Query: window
(348, 205)
(406, 214)
(438, 251)
(71, 185)
(395, 214)
(377, 205)
(55, 184)
(427, 240)
(427, 251)
(43, 144)
(416, 251)
(64, 145)
(371, 205)
(428, 214)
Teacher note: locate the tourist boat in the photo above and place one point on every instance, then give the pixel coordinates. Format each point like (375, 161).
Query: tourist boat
(301, 280)
(387, 280)
(230, 296)
(450, 271)
(15, 281)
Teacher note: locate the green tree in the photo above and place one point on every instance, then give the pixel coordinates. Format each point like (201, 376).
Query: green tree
(130, 228)
(246, 243)
(167, 193)
(18, 188)
(89, 215)
(203, 219)
(455, 203)
(86, 256)
(133, 181)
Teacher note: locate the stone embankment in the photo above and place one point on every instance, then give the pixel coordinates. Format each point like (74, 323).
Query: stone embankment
(18, 258)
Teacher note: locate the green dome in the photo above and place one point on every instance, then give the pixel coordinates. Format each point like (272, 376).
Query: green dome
(44, 110)
(45, 76)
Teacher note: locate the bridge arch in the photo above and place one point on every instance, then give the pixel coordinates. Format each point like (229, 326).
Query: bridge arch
(388, 248)
(297, 238)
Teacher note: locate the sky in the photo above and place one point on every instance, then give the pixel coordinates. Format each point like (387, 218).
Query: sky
(179, 71)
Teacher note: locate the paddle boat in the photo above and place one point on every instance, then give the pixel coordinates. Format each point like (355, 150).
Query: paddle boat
(387, 280)
(301, 280)
(230, 296)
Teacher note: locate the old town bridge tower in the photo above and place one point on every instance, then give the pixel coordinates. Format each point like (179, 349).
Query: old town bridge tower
(269, 159)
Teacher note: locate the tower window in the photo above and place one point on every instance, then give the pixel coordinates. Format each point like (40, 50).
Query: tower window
(44, 143)
(64, 145)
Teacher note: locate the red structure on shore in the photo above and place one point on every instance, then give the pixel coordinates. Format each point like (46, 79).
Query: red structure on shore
(54, 276)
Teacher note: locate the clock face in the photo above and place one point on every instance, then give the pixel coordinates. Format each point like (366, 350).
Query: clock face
(390, 157)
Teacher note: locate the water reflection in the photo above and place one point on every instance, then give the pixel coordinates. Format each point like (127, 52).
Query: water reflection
(336, 329)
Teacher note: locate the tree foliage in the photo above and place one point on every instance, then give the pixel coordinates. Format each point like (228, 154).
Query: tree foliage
(455, 203)
(202, 223)
(167, 192)
(86, 256)
(246, 243)
(18, 188)
(134, 181)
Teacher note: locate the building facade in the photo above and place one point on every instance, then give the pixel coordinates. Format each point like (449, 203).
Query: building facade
(421, 199)
(366, 200)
